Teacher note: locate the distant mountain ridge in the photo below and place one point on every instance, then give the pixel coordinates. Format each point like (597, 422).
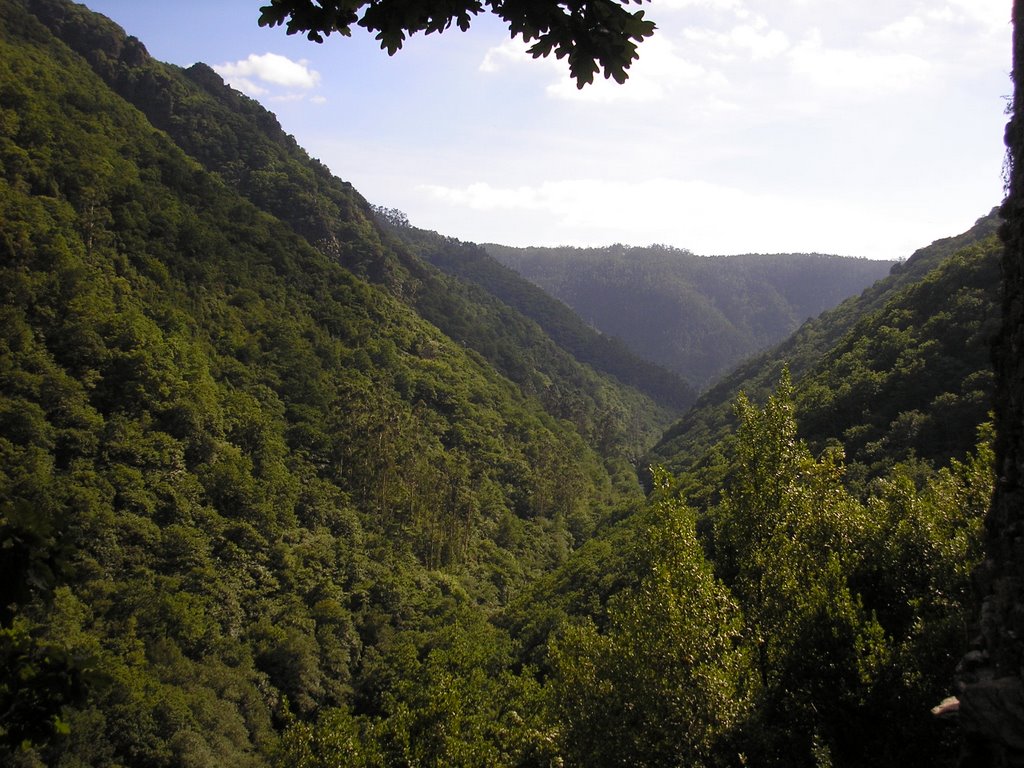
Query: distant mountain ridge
(695, 315)
(471, 262)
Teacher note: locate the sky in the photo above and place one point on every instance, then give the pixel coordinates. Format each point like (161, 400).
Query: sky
(865, 128)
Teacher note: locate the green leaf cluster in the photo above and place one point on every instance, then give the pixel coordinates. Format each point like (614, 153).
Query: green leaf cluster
(594, 35)
(666, 683)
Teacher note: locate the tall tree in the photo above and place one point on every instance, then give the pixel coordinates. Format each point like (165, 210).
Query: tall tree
(787, 541)
(666, 684)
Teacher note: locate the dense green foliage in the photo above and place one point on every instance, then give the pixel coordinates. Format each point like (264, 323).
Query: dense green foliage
(239, 140)
(695, 315)
(230, 469)
(820, 630)
(666, 682)
(605, 353)
(901, 370)
(276, 492)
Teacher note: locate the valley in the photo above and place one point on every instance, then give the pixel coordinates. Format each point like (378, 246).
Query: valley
(284, 482)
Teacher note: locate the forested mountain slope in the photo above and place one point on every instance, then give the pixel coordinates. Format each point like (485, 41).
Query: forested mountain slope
(903, 369)
(698, 316)
(801, 586)
(234, 136)
(781, 620)
(238, 484)
(471, 262)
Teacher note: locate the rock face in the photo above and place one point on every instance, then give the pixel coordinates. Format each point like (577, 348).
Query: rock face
(996, 713)
(991, 679)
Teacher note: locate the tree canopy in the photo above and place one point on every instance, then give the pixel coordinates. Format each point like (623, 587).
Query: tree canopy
(275, 492)
(595, 35)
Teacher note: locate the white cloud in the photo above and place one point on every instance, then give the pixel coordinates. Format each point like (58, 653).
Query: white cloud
(750, 41)
(511, 52)
(594, 205)
(716, 4)
(962, 31)
(760, 44)
(695, 214)
(481, 196)
(975, 34)
(659, 71)
(245, 85)
(636, 89)
(992, 14)
(736, 7)
(856, 70)
(268, 68)
(907, 28)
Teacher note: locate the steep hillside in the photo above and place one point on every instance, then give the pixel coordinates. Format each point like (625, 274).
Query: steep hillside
(903, 369)
(799, 592)
(238, 484)
(695, 315)
(235, 137)
(471, 262)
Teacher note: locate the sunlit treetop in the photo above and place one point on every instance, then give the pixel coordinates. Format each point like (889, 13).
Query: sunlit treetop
(594, 35)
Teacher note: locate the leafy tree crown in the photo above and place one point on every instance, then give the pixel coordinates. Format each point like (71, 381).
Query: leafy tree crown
(595, 35)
